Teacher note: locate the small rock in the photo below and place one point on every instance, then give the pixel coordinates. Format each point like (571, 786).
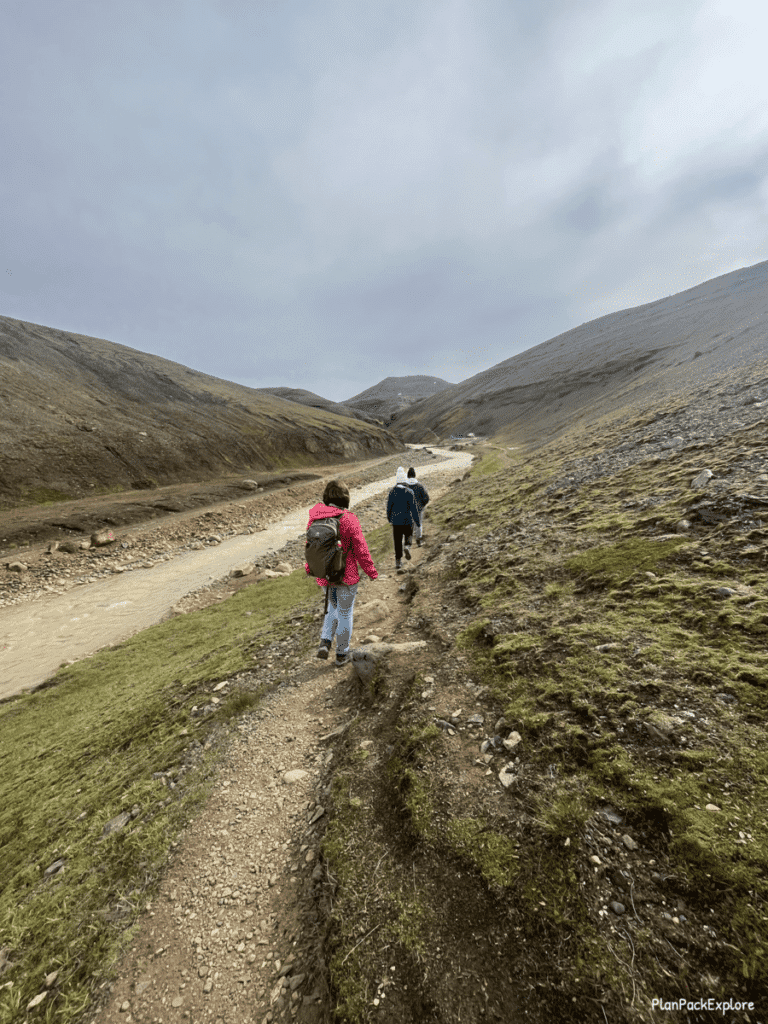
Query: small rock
(629, 842)
(594, 859)
(713, 808)
(610, 815)
(283, 567)
(683, 526)
(512, 741)
(475, 720)
(604, 648)
(507, 776)
(700, 482)
(725, 591)
(208, 985)
(102, 537)
(116, 823)
(202, 972)
(500, 725)
(242, 570)
(125, 1006)
(17, 567)
(177, 1001)
(36, 1001)
(53, 869)
(616, 907)
(50, 979)
(295, 775)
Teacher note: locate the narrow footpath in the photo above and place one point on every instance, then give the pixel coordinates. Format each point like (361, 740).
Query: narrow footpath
(225, 940)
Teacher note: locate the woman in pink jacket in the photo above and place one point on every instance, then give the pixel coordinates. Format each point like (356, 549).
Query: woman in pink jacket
(341, 596)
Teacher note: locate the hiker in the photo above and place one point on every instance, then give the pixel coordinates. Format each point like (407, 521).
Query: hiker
(339, 596)
(422, 500)
(403, 513)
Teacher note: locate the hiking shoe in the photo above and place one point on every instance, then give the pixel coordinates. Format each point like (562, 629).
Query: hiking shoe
(398, 564)
(343, 659)
(408, 553)
(324, 649)
(418, 542)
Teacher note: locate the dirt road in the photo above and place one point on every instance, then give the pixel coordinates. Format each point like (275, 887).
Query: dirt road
(37, 636)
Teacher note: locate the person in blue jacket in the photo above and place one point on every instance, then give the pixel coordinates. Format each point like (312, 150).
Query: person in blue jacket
(403, 513)
(422, 500)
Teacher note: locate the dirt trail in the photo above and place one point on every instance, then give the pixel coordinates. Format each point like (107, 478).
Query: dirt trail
(36, 637)
(225, 940)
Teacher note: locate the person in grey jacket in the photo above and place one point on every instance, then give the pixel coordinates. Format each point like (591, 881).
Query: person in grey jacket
(422, 500)
(403, 514)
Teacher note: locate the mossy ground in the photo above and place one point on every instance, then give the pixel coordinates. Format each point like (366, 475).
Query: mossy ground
(665, 718)
(75, 755)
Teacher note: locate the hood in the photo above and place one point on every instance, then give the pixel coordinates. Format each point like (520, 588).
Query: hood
(321, 511)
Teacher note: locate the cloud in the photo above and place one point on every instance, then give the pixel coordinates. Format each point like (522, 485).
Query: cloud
(421, 187)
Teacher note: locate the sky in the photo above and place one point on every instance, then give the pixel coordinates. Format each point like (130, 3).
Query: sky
(322, 195)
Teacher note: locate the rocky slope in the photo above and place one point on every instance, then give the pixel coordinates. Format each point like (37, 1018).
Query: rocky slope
(393, 394)
(633, 356)
(81, 414)
(318, 402)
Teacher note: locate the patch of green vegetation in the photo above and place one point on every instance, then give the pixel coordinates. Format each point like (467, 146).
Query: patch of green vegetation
(75, 755)
(492, 854)
(491, 461)
(44, 496)
(376, 907)
(616, 562)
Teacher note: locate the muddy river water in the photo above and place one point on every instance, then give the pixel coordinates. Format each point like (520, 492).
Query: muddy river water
(37, 636)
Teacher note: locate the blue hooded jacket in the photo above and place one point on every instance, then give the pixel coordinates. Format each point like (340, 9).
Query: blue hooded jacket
(402, 509)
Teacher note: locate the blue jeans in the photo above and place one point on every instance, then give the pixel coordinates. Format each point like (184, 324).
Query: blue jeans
(338, 619)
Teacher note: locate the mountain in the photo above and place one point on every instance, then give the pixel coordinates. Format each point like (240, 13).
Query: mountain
(394, 394)
(318, 402)
(627, 357)
(80, 415)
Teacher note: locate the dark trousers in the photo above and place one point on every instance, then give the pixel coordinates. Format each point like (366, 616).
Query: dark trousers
(402, 534)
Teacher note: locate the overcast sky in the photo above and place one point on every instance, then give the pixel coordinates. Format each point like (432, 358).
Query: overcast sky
(257, 187)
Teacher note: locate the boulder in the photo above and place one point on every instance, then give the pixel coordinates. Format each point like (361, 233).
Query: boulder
(249, 485)
(70, 546)
(283, 567)
(16, 566)
(102, 537)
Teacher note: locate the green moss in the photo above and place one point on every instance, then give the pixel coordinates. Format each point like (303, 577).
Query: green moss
(44, 496)
(492, 854)
(620, 561)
